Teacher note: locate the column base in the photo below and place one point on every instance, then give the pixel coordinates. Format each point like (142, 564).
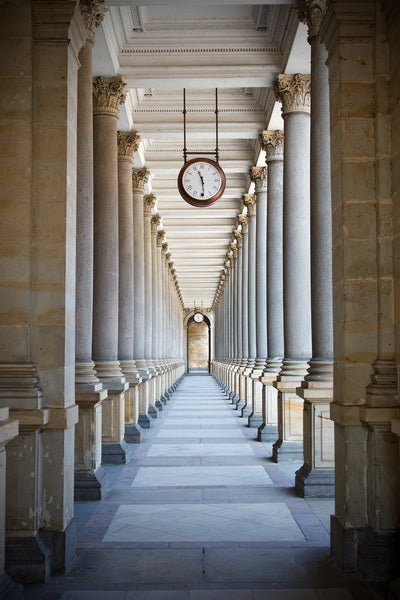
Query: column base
(145, 421)
(153, 412)
(246, 410)
(90, 486)
(315, 483)
(164, 399)
(115, 453)
(285, 451)
(378, 556)
(158, 405)
(255, 420)
(344, 544)
(28, 559)
(133, 434)
(34, 559)
(268, 433)
(240, 403)
(9, 590)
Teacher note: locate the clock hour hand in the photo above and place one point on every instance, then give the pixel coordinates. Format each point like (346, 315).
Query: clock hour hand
(202, 182)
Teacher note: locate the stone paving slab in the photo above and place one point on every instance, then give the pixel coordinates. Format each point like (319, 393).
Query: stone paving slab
(202, 476)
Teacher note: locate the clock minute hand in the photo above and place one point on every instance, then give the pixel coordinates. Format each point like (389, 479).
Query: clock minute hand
(202, 182)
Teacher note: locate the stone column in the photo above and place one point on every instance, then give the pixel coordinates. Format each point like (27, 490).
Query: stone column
(139, 179)
(272, 143)
(8, 431)
(149, 202)
(156, 291)
(243, 222)
(89, 392)
(249, 201)
(316, 477)
(259, 176)
(294, 93)
(128, 143)
(108, 93)
(234, 324)
(240, 389)
(160, 314)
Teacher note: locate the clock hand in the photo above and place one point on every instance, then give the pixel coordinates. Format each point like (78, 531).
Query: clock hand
(202, 182)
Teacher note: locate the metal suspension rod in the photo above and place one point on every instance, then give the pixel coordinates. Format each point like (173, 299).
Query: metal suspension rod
(184, 126)
(216, 126)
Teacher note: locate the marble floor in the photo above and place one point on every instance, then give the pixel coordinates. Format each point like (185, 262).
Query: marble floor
(202, 513)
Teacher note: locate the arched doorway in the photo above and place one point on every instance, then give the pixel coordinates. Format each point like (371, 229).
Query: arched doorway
(198, 344)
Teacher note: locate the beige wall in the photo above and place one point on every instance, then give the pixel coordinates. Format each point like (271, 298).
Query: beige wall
(198, 345)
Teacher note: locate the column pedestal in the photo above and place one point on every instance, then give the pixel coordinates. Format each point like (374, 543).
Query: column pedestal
(268, 430)
(133, 431)
(289, 445)
(316, 478)
(145, 419)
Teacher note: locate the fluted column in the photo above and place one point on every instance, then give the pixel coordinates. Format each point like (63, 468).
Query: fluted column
(316, 477)
(259, 176)
(240, 389)
(128, 143)
(293, 91)
(156, 290)
(243, 222)
(149, 202)
(89, 392)
(272, 143)
(108, 94)
(139, 179)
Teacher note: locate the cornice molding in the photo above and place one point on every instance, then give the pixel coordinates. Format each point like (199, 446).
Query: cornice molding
(205, 50)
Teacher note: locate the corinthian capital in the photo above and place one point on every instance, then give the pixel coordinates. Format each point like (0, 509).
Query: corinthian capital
(259, 176)
(293, 91)
(160, 238)
(149, 202)
(108, 94)
(250, 201)
(233, 247)
(272, 143)
(128, 143)
(139, 178)
(93, 12)
(311, 12)
(155, 223)
(243, 221)
(238, 237)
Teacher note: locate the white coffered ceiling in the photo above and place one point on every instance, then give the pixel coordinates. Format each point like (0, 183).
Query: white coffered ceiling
(163, 46)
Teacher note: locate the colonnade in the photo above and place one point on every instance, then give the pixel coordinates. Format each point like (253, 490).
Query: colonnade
(93, 357)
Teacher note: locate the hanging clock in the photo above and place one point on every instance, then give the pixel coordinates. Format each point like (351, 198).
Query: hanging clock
(201, 181)
(198, 317)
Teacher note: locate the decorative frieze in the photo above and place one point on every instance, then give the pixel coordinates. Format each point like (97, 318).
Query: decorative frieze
(149, 202)
(250, 202)
(272, 143)
(311, 12)
(139, 178)
(128, 143)
(259, 176)
(294, 92)
(93, 12)
(155, 223)
(108, 94)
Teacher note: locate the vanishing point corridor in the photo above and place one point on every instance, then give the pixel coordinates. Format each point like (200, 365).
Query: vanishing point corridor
(201, 512)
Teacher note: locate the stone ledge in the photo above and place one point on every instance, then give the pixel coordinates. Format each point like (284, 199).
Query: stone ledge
(63, 418)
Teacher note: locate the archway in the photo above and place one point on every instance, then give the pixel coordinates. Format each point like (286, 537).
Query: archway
(198, 344)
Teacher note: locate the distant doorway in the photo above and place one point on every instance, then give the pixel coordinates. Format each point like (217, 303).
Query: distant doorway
(198, 341)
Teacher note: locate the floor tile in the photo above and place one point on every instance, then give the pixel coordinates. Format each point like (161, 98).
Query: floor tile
(158, 595)
(93, 595)
(201, 450)
(285, 595)
(187, 476)
(221, 595)
(203, 522)
(197, 433)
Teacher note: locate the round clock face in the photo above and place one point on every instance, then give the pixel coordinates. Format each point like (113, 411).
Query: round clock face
(201, 181)
(198, 317)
